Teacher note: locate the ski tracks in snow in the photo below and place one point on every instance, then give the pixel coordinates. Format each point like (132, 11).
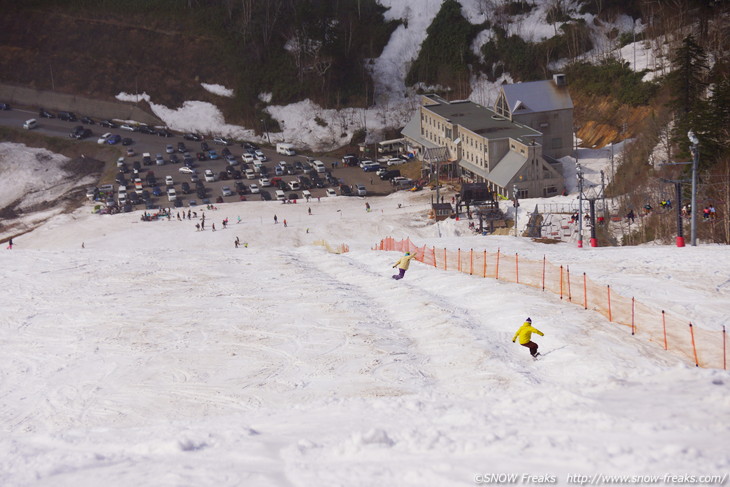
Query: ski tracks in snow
(421, 336)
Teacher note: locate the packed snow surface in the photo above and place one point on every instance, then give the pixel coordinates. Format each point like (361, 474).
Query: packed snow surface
(160, 355)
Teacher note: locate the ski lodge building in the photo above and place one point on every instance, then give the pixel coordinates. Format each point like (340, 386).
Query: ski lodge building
(513, 146)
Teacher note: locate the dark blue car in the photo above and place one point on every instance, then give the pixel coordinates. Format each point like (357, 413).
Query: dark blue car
(114, 139)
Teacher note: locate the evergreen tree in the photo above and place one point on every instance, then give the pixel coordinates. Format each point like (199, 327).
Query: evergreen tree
(687, 82)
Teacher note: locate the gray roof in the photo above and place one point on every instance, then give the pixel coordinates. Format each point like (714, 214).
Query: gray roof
(412, 130)
(507, 168)
(481, 120)
(537, 96)
(505, 171)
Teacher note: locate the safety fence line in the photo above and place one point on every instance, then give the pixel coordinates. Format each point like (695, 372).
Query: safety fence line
(337, 249)
(699, 346)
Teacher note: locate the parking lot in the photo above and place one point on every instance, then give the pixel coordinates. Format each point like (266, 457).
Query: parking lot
(169, 152)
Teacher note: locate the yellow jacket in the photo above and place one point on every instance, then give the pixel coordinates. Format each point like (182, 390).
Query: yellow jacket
(525, 333)
(404, 262)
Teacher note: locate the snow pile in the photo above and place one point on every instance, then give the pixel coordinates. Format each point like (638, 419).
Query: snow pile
(219, 90)
(132, 97)
(33, 177)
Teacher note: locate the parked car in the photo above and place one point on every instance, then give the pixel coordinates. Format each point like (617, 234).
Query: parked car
(361, 190)
(5, 106)
(226, 191)
(204, 146)
(330, 192)
(186, 170)
(201, 156)
(129, 127)
(114, 139)
(345, 190)
(209, 176)
(264, 182)
(169, 149)
(108, 124)
(67, 116)
(130, 153)
(159, 160)
(253, 188)
(43, 113)
(191, 136)
(221, 140)
(169, 181)
(212, 155)
(265, 195)
(185, 187)
(164, 133)
(87, 120)
(127, 141)
(103, 138)
(171, 194)
(181, 147)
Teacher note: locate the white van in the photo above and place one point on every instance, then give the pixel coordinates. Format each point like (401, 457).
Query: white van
(294, 185)
(285, 149)
(280, 195)
(30, 124)
(306, 194)
(319, 166)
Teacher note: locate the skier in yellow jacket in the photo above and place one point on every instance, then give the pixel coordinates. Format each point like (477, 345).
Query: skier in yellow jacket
(402, 265)
(525, 335)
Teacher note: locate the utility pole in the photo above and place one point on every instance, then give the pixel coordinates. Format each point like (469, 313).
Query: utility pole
(695, 149)
(580, 206)
(516, 205)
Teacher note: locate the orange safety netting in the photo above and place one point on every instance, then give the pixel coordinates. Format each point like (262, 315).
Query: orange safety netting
(701, 347)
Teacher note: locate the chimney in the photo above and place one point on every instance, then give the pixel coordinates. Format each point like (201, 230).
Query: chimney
(559, 80)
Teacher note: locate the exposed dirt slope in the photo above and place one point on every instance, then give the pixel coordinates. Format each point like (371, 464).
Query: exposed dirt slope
(100, 57)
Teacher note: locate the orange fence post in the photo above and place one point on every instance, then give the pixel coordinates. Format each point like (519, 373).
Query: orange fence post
(471, 262)
(433, 252)
(608, 288)
(694, 347)
(633, 316)
(664, 327)
(585, 292)
(497, 270)
(570, 294)
(485, 264)
(561, 282)
(517, 268)
(445, 259)
(458, 259)
(543, 271)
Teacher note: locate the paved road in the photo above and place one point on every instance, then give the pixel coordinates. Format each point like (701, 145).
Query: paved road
(156, 145)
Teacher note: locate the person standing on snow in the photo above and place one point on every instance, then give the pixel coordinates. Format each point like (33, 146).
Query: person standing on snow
(402, 265)
(525, 335)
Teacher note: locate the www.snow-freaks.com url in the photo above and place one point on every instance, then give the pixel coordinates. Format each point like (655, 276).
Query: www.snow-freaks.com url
(600, 479)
